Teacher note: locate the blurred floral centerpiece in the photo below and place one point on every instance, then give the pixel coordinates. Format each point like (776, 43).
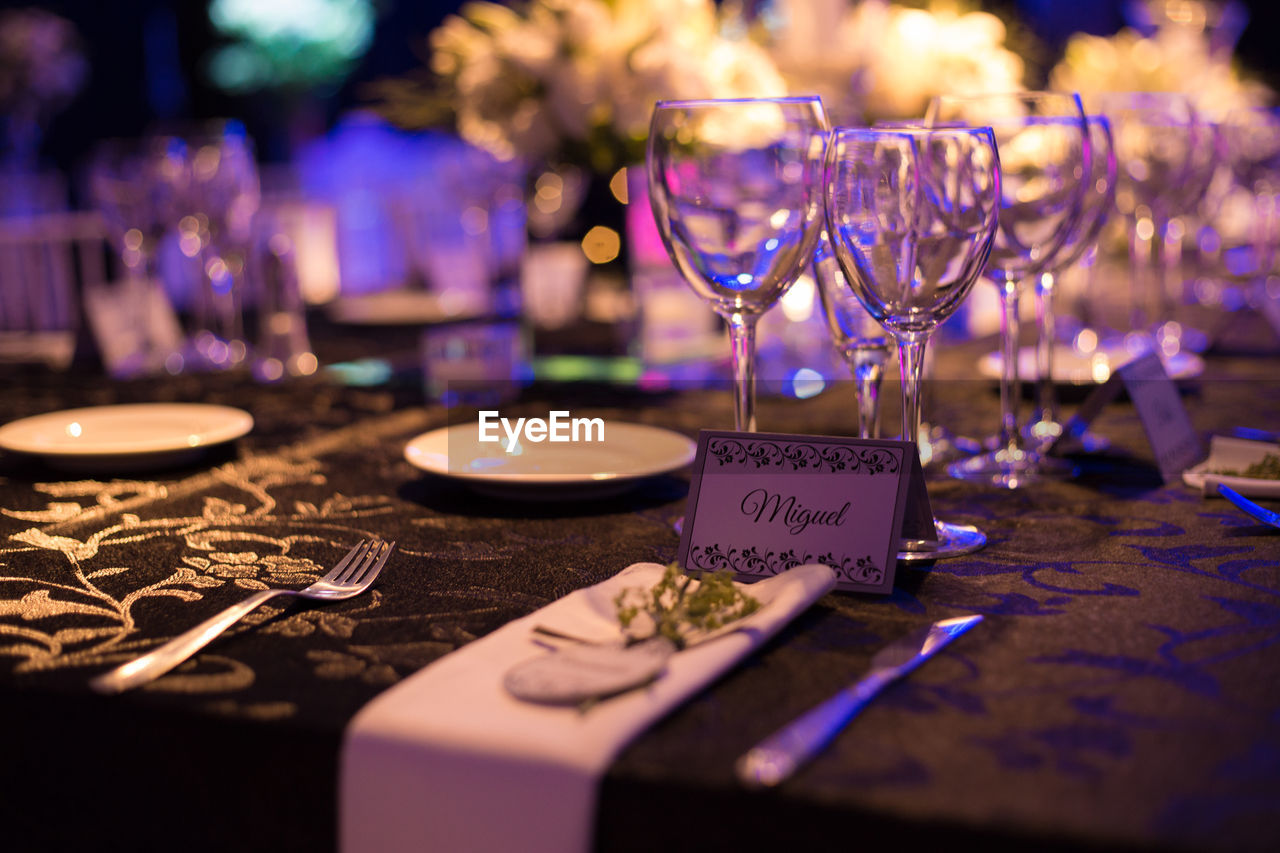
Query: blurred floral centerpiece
(1170, 59)
(872, 60)
(574, 81)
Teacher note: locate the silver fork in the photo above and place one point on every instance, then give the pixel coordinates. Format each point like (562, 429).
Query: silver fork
(353, 574)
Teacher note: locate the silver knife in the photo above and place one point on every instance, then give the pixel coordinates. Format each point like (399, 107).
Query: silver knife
(1245, 505)
(781, 754)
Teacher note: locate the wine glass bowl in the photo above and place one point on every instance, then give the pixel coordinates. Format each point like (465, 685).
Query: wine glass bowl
(1249, 141)
(1096, 203)
(906, 211)
(1044, 164)
(912, 215)
(736, 195)
(140, 187)
(1165, 156)
(225, 195)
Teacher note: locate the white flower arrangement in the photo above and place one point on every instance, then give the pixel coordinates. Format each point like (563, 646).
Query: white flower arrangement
(576, 80)
(876, 60)
(1172, 59)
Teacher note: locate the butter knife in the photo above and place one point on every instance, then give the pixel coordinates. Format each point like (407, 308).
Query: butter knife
(1247, 506)
(778, 756)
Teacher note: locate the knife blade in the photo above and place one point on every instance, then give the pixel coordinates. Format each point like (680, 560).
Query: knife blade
(1247, 506)
(778, 756)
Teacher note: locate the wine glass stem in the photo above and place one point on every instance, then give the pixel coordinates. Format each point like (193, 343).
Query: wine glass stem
(141, 283)
(1046, 396)
(1172, 237)
(1140, 246)
(866, 377)
(742, 340)
(1010, 384)
(911, 364)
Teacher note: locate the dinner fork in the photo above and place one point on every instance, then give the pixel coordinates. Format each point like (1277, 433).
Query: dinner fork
(353, 574)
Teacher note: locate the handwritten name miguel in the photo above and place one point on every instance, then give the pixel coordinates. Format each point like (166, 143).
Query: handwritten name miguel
(760, 505)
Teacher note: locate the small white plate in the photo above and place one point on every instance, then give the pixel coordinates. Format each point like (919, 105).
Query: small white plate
(1075, 368)
(405, 308)
(628, 453)
(134, 435)
(1234, 454)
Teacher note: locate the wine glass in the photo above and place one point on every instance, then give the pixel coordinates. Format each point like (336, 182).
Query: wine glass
(1250, 141)
(913, 215)
(937, 443)
(1044, 157)
(857, 335)
(225, 195)
(737, 198)
(139, 187)
(1096, 203)
(1164, 157)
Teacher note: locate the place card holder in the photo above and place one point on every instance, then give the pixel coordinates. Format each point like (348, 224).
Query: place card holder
(1174, 442)
(762, 503)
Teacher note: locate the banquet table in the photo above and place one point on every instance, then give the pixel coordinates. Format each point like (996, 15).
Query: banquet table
(1123, 691)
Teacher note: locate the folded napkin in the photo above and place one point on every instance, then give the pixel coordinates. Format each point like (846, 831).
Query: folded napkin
(447, 760)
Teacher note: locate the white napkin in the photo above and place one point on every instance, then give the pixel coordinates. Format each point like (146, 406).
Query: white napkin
(447, 760)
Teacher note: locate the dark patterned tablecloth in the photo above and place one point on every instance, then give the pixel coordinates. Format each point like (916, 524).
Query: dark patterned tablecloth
(1124, 691)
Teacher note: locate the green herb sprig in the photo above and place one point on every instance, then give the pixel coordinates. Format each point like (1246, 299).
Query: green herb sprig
(1268, 468)
(680, 610)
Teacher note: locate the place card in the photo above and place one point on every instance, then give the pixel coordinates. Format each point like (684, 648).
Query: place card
(128, 320)
(762, 503)
(1173, 440)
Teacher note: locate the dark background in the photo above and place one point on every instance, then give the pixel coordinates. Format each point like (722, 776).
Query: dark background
(147, 64)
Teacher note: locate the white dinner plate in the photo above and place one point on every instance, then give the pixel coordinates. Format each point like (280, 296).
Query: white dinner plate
(1074, 368)
(405, 308)
(134, 435)
(627, 453)
(1234, 454)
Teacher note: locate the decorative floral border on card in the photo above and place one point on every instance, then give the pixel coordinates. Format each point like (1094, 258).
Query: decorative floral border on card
(753, 561)
(803, 456)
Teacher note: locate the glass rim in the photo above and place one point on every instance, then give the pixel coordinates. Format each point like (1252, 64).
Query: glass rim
(1143, 94)
(1035, 94)
(911, 132)
(715, 102)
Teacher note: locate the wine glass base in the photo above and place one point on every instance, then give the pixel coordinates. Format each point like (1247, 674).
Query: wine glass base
(954, 540)
(1086, 442)
(939, 445)
(1042, 434)
(1012, 469)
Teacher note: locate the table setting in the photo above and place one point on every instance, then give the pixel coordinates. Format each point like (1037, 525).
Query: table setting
(428, 567)
(1037, 699)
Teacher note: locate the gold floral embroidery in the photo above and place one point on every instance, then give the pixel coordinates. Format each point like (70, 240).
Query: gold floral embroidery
(265, 711)
(337, 665)
(251, 571)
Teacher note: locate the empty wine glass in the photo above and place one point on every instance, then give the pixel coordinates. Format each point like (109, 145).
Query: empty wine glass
(736, 194)
(1164, 158)
(1044, 157)
(912, 215)
(1099, 196)
(139, 187)
(858, 337)
(224, 198)
(937, 443)
(1250, 140)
